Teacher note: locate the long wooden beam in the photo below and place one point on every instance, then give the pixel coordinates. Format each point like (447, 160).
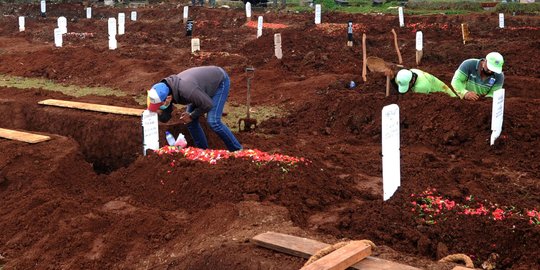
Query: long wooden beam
(92, 107)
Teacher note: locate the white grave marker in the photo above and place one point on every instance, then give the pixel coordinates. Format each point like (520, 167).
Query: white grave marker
(113, 44)
(501, 20)
(57, 37)
(185, 16)
(401, 17)
(134, 15)
(62, 24)
(121, 23)
(248, 10)
(21, 23)
(89, 13)
(317, 14)
(195, 45)
(419, 41)
(390, 150)
(150, 131)
(112, 27)
(259, 26)
(419, 46)
(277, 46)
(43, 7)
(497, 113)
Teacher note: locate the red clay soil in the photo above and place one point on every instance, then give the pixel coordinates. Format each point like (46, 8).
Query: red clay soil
(89, 199)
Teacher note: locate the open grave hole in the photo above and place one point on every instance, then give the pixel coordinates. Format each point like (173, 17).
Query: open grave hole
(107, 141)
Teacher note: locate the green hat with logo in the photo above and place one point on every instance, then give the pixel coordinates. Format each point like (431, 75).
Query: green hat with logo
(495, 62)
(403, 78)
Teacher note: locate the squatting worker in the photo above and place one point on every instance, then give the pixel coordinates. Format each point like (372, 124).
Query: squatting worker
(419, 81)
(479, 77)
(204, 90)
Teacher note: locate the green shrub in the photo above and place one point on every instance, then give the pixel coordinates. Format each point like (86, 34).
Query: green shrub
(450, 5)
(531, 8)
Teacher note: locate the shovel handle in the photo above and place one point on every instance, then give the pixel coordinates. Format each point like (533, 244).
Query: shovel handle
(387, 85)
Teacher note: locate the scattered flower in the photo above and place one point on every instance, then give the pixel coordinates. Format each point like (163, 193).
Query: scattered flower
(431, 207)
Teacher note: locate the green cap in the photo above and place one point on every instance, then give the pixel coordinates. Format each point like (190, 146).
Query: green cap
(495, 62)
(403, 78)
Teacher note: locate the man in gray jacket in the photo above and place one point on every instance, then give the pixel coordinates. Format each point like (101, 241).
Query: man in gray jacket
(205, 90)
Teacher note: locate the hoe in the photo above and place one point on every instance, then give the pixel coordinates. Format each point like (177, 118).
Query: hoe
(249, 123)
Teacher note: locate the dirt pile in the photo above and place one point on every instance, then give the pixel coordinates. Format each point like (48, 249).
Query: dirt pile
(89, 199)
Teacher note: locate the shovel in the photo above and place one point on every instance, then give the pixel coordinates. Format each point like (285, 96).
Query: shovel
(249, 123)
(376, 64)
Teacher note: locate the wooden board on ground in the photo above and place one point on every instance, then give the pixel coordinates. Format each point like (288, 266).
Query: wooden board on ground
(92, 107)
(22, 136)
(341, 258)
(303, 247)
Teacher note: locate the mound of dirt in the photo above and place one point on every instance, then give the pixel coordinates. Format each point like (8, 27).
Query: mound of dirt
(88, 198)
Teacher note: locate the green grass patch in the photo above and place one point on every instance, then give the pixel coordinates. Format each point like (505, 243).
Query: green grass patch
(260, 113)
(70, 90)
(234, 111)
(415, 7)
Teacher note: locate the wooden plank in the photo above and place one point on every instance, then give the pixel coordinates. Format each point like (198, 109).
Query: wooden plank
(341, 258)
(304, 247)
(92, 107)
(22, 136)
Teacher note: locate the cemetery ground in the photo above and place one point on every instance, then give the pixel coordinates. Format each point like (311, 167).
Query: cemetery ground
(88, 199)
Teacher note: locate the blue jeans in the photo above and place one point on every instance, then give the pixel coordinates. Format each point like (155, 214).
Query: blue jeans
(214, 120)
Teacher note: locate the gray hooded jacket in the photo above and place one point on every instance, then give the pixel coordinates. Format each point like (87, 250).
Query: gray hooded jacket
(196, 86)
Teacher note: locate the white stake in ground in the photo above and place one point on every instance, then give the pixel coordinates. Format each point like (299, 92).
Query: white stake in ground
(419, 47)
(497, 114)
(150, 131)
(277, 46)
(259, 26)
(121, 23)
(43, 6)
(57, 37)
(112, 27)
(134, 15)
(112, 34)
(186, 13)
(401, 17)
(195, 45)
(390, 150)
(62, 24)
(317, 14)
(501, 20)
(248, 11)
(89, 13)
(21, 23)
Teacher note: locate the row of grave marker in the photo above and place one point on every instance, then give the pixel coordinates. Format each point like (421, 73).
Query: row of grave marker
(62, 25)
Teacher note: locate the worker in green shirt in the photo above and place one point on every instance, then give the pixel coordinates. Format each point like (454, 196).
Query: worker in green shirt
(420, 82)
(479, 77)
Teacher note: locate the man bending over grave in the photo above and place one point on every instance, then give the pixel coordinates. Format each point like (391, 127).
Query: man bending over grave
(479, 77)
(420, 81)
(204, 90)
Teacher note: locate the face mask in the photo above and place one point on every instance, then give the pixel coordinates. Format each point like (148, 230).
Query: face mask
(163, 107)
